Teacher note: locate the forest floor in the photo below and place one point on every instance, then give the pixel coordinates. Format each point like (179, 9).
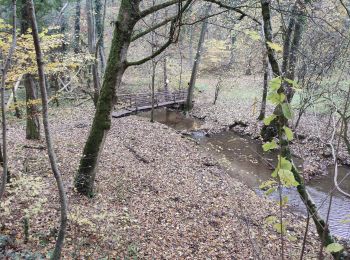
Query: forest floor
(238, 105)
(158, 196)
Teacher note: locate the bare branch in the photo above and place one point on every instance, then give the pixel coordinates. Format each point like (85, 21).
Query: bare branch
(233, 8)
(139, 35)
(156, 8)
(156, 53)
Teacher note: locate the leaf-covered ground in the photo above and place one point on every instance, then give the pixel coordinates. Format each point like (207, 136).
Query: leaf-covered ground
(155, 198)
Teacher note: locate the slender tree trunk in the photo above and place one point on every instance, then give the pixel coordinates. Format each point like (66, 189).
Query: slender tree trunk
(4, 69)
(295, 44)
(165, 76)
(77, 28)
(232, 52)
(33, 124)
(52, 156)
(99, 32)
(265, 87)
(92, 49)
(322, 230)
(116, 65)
(192, 83)
(17, 111)
(154, 64)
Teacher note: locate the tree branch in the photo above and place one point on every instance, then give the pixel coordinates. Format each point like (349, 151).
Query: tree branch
(156, 8)
(236, 9)
(139, 35)
(156, 53)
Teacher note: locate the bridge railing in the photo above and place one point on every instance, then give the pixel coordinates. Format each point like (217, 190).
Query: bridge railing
(145, 99)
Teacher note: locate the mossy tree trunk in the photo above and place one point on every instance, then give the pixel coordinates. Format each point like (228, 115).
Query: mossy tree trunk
(129, 15)
(321, 226)
(116, 65)
(33, 123)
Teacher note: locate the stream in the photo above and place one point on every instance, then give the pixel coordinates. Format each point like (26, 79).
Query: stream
(246, 161)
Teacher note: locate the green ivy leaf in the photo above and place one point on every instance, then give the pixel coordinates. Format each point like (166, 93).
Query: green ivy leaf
(287, 178)
(269, 146)
(284, 164)
(289, 133)
(287, 112)
(275, 84)
(276, 98)
(334, 248)
(269, 119)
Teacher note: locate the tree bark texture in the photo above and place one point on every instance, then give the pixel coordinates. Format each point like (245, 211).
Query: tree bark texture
(116, 65)
(197, 59)
(33, 123)
(76, 40)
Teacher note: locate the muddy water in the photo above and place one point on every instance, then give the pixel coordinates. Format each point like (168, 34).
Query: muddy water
(246, 161)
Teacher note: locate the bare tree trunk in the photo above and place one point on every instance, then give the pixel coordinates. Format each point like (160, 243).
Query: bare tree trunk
(154, 64)
(191, 29)
(52, 156)
(91, 44)
(17, 111)
(4, 69)
(77, 28)
(232, 52)
(165, 76)
(33, 124)
(99, 22)
(265, 86)
(192, 83)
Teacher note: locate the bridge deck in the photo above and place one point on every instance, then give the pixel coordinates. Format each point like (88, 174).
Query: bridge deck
(143, 102)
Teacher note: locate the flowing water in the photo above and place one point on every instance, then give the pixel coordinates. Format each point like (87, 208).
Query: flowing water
(246, 161)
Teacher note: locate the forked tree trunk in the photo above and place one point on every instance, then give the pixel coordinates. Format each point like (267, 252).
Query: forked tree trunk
(33, 123)
(116, 65)
(197, 59)
(56, 255)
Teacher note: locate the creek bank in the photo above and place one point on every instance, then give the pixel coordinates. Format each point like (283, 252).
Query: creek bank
(157, 195)
(311, 142)
(245, 160)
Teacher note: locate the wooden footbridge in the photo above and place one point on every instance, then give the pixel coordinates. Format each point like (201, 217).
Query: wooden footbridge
(133, 103)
